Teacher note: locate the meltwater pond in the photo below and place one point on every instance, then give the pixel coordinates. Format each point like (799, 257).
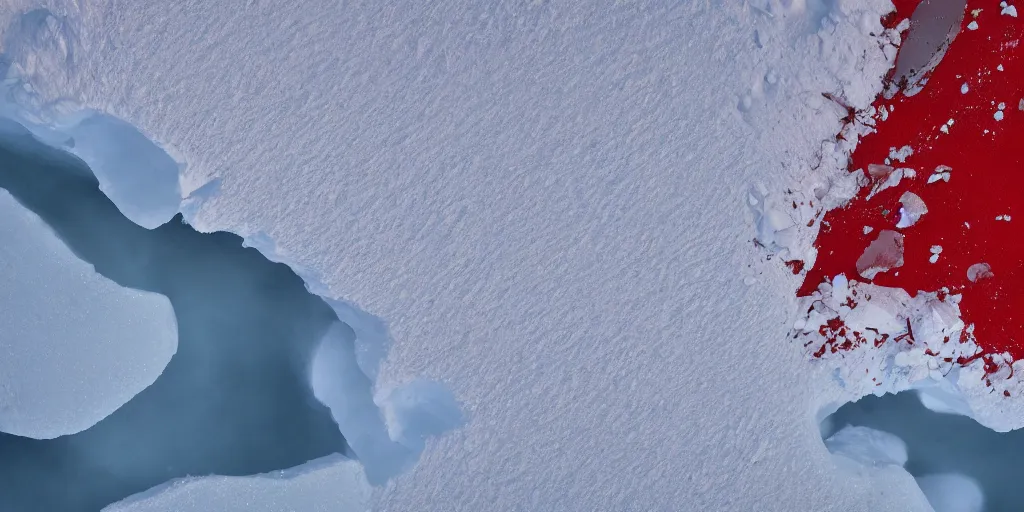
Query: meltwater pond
(235, 398)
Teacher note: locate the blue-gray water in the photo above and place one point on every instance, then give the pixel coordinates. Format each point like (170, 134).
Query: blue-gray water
(235, 398)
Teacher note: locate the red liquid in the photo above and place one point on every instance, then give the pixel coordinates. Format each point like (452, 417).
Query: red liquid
(986, 181)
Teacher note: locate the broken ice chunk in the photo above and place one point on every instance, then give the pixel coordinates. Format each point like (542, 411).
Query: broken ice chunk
(1009, 10)
(979, 271)
(880, 171)
(942, 173)
(901, 154)
(972, 25)
(912, 210)
(885, 253)
(886, 177)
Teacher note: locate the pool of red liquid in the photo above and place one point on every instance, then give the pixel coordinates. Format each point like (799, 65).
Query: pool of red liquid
(975, 217)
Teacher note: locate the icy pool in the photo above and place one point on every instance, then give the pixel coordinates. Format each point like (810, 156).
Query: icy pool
(235, 398)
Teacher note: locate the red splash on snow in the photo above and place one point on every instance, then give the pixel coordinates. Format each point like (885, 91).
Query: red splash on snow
(977, 216)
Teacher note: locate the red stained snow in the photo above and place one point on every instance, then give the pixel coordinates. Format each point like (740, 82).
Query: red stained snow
(976, 215)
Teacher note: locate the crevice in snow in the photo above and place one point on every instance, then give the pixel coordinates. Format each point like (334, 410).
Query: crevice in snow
(386, 426)
(959, 464)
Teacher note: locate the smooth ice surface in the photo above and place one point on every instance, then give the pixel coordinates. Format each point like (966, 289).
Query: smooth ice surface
(951, 492)
(868, 446)
(61, 322)
(235, 397)
(547, 202)
(962, 462)
(139, 177)
(330, 484)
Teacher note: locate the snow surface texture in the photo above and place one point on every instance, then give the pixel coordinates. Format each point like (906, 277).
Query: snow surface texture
(61, 321)
(545, 202)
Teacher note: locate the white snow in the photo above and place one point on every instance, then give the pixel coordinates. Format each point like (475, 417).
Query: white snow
(61, 322)
(545, 204)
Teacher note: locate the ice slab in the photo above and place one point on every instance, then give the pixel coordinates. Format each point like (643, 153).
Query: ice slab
(136, 174)
(76, 345)
(868, 446)
(329, 484)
